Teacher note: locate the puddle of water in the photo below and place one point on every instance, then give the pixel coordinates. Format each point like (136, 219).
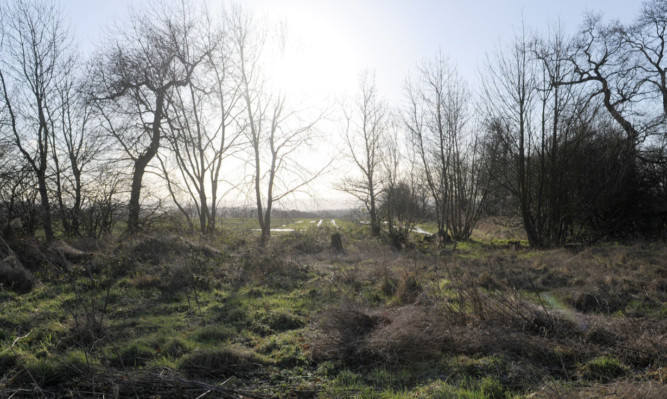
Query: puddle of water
(419, 230)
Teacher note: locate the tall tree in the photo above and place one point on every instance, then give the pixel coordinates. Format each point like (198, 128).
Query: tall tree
(79, 142)
(438, 119)
(510, 90)
(365, 136)
(36, 60)
(647, 38)
(157, 52)
(275, 134)
(203, 129)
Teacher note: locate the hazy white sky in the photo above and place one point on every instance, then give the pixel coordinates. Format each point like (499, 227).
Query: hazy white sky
(331, 41)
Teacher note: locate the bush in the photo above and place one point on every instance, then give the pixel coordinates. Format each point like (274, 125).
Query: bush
(13, 275)
(342, 334)
(175, 347)
(272, 271)
(52, 372)
(8, 360)
(307, 242)
(392, 336)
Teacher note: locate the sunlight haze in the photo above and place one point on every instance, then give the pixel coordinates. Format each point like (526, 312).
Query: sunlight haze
(328, 43)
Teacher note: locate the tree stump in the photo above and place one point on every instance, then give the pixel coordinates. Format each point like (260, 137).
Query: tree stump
(337, 241)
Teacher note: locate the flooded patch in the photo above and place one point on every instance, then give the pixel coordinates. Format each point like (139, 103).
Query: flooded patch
(419, 230)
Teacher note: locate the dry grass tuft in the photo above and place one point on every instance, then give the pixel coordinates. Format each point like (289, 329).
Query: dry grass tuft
(623, 389)
(390, 336)
(217, 363)
(409, 334)
(342, 332)
(269, 270)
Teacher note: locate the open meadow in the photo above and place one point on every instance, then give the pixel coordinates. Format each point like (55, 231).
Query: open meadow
(172, 314)
(333, 199)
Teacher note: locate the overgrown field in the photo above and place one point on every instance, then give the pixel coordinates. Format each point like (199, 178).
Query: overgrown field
(178, 315)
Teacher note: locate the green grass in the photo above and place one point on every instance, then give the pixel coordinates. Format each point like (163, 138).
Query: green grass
(252, 316)
(603, 369)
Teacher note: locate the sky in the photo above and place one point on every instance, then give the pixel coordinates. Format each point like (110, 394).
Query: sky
(331, 41)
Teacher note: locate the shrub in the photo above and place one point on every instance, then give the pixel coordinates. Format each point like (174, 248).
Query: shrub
(272, 271)
(409, 334)
(282, 321)
(84, 330)
(14, 276)
(307, 242)
(392, 336)
(175, 347)
(50, 372)
(588, 302)
(342, 332)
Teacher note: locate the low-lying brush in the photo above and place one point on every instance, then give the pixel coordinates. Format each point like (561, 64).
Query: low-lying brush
(390, 336)
(221, 363)
(180, 316)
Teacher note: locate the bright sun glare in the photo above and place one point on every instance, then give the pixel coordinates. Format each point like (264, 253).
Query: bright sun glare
(319, 58)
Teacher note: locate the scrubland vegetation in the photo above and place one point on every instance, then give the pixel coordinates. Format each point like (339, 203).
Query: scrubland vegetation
(176, 314)
(122, 273)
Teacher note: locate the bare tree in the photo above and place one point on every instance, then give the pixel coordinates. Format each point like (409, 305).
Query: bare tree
(275, 133)
(646, 39)
(203, 125)
(567, 168)
(17, 192)
(35, 62)
(79, 142)
(365, 136)
(562, 110)
(510, 91)
(402, 197)
(437, 117)
(602, 60)
(155, 54)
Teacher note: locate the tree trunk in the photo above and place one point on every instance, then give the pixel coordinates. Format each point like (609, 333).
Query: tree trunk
(203, 213)
(140, 165)
(76, 211)
(46, 209)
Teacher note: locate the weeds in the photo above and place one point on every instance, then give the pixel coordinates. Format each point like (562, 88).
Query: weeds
(190, 316)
